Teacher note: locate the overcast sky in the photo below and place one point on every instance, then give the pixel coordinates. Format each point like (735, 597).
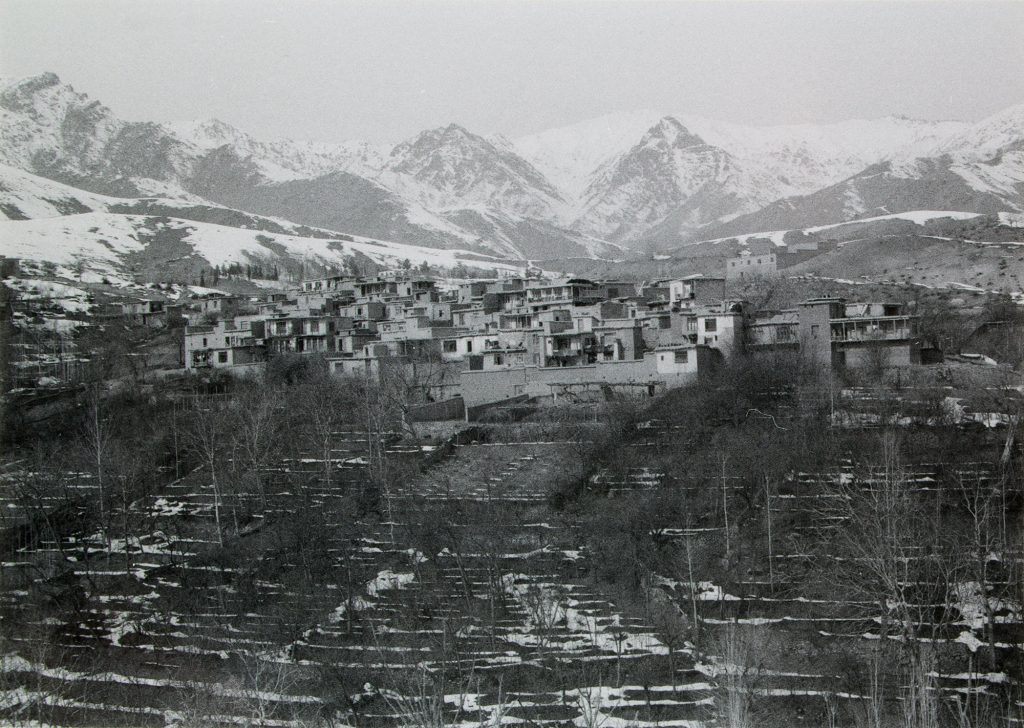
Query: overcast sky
(384, 70)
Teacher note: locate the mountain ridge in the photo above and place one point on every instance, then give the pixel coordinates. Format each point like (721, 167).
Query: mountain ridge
(636, 179)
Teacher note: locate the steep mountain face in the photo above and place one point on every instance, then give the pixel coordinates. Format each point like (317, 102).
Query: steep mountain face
(672, 179)
(635, 180)
(634, 198)
(809, 157)
(282, 160)
(411, 195)
(338, 200)
(450, 167)
(570, 156)
(48, 128)
(154, 239)
(804, 157)
(484, 187)
(980, 169)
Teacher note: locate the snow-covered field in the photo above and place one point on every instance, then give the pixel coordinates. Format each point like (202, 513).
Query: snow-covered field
(918, 217)
(100, 241)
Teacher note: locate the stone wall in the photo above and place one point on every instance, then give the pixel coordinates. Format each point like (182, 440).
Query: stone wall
(481, 387)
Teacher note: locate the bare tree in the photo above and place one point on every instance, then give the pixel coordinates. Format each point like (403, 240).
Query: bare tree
(739, 670)
(204, 436)
(671, 625)
(98, 432)
(255, 420)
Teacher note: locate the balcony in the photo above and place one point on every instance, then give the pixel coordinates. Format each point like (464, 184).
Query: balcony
(884, 328)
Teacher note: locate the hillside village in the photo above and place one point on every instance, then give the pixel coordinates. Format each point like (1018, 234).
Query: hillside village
(493, 341)
(646, 420)
(360, 500)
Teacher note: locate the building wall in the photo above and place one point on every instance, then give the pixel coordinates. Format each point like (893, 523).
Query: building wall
(816, 332)
(888, 354)
(696, 290)
(746, 266)
(481, 387)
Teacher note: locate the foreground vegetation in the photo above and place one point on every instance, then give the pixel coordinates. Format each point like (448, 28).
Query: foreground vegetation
(776, 546)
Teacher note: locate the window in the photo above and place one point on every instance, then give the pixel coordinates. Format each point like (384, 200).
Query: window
(682, 357)
(222, 357)
(711, 324)
(518, 389)
(469, 345)
(498, 361)
(204, 341)
(450, 346)
(314, 327)
(814, 331)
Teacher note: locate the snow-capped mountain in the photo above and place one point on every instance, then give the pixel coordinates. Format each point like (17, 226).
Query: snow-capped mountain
(447, 189)
(569, 156)
(806, 157)
(985, 139)
(485, 187)
(633, 179)
(978, 169)
(102, 236)
(284, 159)
(48, 128)
(671, 177)
(450, 167)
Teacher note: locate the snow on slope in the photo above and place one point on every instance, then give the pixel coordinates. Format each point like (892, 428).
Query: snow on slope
(985, 139)
(100, 241)
(282, 160)
(806, 157)
(816, 155)
(570, 155)
(97, 240)
(26, 195)
(918, 217)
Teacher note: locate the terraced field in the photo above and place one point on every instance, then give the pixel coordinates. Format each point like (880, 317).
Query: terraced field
(463, 597)
(800, 652)
(460, 597)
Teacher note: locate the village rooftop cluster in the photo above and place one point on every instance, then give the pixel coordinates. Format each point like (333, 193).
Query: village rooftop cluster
(489, 341)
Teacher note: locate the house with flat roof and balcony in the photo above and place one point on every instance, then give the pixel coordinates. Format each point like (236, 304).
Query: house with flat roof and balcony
(545, 295)
(777, 330)
(832, 332)
(720, 326)
(695, 290)
(226, 343)
(569, 343)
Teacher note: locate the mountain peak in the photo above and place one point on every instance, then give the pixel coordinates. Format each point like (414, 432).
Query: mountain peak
(31, 84)
(216, 129)
(669, 130)
(19, 94)
(454, 128)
